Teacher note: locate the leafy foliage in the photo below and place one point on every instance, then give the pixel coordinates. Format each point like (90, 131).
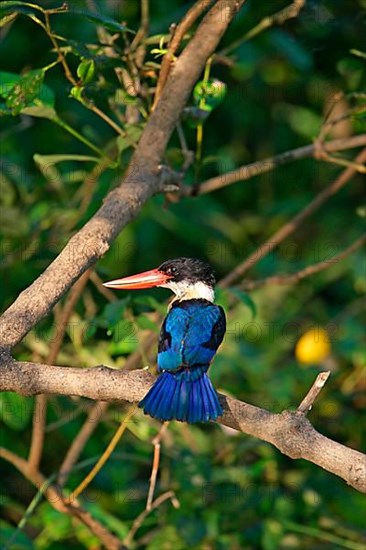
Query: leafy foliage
(68, 130)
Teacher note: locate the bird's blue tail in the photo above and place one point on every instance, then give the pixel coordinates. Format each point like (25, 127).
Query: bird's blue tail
(185, 395)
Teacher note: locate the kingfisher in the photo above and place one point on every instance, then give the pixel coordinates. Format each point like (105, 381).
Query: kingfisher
(190, 335)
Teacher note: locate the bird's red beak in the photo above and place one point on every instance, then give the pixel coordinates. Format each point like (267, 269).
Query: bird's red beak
(147, 279)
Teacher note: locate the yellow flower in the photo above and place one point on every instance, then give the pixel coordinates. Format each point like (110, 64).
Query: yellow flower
(313, 346)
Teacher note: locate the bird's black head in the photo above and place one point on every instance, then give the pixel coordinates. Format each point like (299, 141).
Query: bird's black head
(188, 278)
(189, 271)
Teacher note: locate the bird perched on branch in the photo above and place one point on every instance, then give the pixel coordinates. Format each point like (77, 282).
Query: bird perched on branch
(189, 338)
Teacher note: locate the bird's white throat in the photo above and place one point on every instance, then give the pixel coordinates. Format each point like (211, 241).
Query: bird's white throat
(185, 290)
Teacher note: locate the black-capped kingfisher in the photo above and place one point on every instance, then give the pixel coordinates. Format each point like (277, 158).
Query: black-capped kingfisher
(189, 338)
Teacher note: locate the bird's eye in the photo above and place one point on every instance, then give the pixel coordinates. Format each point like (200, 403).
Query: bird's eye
(172, 270)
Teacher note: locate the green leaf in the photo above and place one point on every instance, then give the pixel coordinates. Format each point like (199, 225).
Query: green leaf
(15, 410)
(27, 94)
(25, 91)
(245, 299)
(104, 20)
(11, 88)
(86, 70)
(7, 82)
(40, 110)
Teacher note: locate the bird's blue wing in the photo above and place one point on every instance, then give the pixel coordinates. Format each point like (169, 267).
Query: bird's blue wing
(190, 335)
(173, 330)
(204, 335)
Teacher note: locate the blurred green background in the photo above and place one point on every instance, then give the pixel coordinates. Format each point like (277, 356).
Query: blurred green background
(234, 491)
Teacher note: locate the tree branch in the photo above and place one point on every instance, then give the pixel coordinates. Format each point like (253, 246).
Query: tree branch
(86, 431)
(248, 171)
(290, 432)
(123, 203)
(141, 517)
(308, 401)
(278, 18)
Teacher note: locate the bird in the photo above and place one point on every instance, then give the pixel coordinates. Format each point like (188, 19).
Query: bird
(190, 335)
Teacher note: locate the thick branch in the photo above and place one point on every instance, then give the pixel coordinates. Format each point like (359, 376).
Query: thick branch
(123, 203)
(289, 431)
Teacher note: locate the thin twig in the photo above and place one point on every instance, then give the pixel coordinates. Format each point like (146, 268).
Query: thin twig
(94, 416)
(187, 154)
(98, 283)
(66, 418)
(38, 431)
(330, 122)
(34, 476)
(308, 401)
(106, 454)
(90, 182)
(61, 56)
(40, 410)
(144, 26)
(342, 162)
(291, 226)
(141, 517)
(155, 466)
(67, 310)
(249, 171)
(278, 18)
(320, 152)
(92, 107)
(307, 271)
